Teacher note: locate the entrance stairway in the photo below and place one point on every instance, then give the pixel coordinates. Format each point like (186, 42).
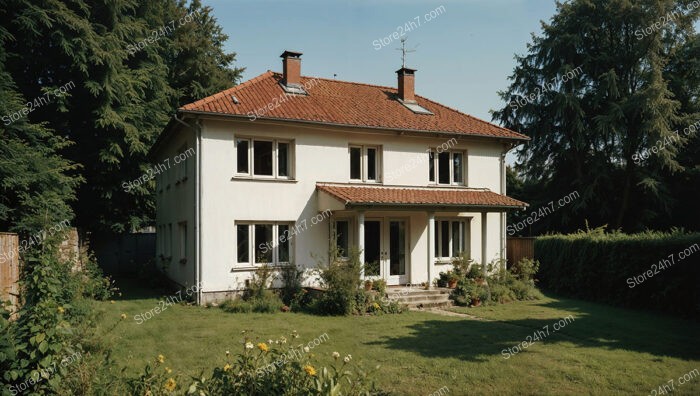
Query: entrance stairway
(419, 298)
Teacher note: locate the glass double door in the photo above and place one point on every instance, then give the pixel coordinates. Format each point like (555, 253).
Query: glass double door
(385, 250)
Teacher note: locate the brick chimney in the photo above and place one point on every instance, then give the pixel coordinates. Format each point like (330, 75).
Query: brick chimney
(406, 84)
(291, 65)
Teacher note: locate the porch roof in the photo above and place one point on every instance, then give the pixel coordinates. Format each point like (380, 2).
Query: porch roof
(359, 196)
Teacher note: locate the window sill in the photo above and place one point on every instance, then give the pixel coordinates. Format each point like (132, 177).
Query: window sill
(355, 181)
(443, 261)
(447, 185)
(247, 268)
(263, 179)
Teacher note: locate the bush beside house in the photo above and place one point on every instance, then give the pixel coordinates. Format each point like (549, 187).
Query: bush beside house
(642, 270)
(473, 288)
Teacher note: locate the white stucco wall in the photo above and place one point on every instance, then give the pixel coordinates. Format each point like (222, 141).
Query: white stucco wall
(321, 155)
(175, 204)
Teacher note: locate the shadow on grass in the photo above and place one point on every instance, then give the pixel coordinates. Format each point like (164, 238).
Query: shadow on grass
(132, 288)
(594, 326)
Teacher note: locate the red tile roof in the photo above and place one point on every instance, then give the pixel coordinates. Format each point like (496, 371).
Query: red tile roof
(342, 103)
(361, 195)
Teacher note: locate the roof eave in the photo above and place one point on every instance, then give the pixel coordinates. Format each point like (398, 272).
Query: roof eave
(469, 207)
(421, 132)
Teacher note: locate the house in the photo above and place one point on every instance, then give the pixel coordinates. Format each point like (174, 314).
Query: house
(269, 170)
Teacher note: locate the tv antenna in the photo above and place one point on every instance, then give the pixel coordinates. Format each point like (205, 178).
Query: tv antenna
(404, 51)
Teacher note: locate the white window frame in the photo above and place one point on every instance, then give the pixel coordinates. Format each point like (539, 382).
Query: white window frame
(464, 237)
(364, 164)
(436, 168)
(276, 242)
(275, 158)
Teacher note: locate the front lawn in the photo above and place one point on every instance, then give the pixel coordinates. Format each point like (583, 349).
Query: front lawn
(602, 350)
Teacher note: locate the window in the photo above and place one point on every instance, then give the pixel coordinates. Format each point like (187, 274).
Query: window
(355, 163)
(447, 167)
(182, 228)
(451, 238)
(264, 158)
(283, 159)
(181, 160)
(365, 163)
(342, 230)
(242, 147)
(243, 237)
(263, 243)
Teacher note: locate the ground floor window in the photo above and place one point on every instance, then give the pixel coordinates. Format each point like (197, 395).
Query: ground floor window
(263, 243)
(342, 231)
(451, 238)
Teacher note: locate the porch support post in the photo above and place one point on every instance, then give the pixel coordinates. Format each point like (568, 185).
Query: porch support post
(484, 237)
(361, 240)
(431, 246)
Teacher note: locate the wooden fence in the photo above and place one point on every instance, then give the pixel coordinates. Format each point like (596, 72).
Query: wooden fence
(519, 248)
(9, 269)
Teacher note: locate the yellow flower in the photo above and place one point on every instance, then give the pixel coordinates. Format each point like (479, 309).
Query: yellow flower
(168, 370)
(227, 367)
(161, 359)
(170, 385)
(61, 310)
(375, 305)
(123, 316)
(263, 347)
(310, 370)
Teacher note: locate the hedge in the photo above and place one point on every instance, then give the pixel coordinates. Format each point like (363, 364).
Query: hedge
(642, 270)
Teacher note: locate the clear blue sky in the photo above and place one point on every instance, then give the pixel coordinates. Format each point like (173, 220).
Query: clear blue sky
(464, 56)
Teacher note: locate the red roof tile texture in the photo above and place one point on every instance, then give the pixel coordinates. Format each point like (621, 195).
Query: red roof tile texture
(342, 103)
(419, 196)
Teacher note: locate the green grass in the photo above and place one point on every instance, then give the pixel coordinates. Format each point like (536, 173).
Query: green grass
(603, 351)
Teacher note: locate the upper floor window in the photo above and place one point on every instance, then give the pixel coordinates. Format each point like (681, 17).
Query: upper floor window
(266, 158)
(447, 167)
(365, 163)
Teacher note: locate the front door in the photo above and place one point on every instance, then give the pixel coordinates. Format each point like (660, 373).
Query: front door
(396, 262)
(385, 250)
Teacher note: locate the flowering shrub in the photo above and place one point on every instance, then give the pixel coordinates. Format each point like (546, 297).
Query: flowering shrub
(500, 286)
(261, 368)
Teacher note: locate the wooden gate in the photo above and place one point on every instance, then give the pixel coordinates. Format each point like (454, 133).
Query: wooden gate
(9, 269)
(519, 248)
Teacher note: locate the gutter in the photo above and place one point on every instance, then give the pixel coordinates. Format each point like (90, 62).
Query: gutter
(419, 132)
(435, 206)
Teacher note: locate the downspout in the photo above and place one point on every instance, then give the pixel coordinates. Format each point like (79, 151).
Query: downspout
(503, 214)
(198, 210)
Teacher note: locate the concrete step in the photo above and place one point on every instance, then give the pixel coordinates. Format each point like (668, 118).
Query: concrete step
(420, 293)
(418, 305)
(429, 297)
